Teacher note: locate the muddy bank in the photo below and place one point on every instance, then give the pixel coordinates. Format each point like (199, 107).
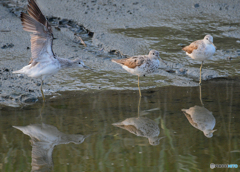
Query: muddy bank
(102, 18)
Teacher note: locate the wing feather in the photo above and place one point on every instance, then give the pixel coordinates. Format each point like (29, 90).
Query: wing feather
(193, 46)
(131, 62)
(190, 119)
(42, 37)
(35, 12)
(132, 129)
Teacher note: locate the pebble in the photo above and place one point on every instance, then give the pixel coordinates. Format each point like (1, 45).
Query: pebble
(196, 5)
(7, 46)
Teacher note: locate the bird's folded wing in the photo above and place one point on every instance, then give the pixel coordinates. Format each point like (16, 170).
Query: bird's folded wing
(191, 121)
(131, 62)
(41, 40)
(193, 46)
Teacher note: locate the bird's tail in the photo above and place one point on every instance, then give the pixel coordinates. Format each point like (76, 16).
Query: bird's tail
(119, 61)
(117, 123)
(23, 70)
(17, 71)
(184, 110)
(114, 60)
(21, 128)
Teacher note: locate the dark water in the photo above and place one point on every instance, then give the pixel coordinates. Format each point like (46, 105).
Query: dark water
(181, 147)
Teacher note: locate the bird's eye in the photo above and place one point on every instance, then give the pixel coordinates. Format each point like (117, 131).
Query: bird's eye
(206, 38)
(153, 53)
(79, 63)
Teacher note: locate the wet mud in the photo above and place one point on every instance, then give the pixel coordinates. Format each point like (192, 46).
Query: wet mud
(116, 30)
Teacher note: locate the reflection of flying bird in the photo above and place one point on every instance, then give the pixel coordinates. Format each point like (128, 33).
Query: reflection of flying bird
(201, 118)
(43, 139)
(44, 62)
(143, 127)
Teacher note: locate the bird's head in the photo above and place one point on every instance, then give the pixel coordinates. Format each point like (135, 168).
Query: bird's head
(209, 133)
(79, 63)
(208, 39)
(154, 140)
(154, 53)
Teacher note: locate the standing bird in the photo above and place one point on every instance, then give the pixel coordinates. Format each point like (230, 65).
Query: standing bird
(201, 50)
(140, 65)
(44, 62)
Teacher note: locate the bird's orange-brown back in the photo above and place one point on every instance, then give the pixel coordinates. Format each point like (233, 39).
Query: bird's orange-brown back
(130, 62)
(193, 46)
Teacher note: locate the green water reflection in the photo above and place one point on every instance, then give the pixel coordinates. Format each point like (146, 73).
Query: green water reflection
(181, 147)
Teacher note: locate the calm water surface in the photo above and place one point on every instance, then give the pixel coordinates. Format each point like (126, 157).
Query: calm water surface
(162, 138)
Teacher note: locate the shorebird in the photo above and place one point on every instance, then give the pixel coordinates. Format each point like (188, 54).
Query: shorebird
(44, 62)
(201, 50)
(141, 126)
(44, 138)
(201, 118)
(140, 65)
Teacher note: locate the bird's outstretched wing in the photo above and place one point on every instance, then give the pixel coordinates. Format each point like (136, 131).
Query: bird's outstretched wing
(41, 155)
(42, 37)
(130, 62)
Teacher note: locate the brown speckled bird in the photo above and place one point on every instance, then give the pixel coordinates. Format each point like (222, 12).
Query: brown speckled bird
(141, 65)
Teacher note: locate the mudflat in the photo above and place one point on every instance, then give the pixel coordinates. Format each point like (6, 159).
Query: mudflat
(114, 30)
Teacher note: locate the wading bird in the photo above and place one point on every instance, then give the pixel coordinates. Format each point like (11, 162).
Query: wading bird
(140, 65)
(44, 62)
(201, 50)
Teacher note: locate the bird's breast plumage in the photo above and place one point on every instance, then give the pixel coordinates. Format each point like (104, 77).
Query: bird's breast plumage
(203, 52)
(152, 65)
(210, 50)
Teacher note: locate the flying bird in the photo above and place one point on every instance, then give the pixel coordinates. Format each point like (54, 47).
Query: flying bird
(44, 62)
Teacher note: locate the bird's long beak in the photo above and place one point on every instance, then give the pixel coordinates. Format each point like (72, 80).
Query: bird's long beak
(213, 130)
(212, 44)
(86, 67)
(162, 61)
(86, 136)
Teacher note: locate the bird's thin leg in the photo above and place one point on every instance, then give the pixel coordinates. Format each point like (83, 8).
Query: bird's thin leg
(200, 79)
(139, 88)
(42, 110)
(42, 91)
(139, 102)
(200, 95)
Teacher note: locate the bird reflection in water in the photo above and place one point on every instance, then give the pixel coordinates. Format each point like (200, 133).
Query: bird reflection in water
(201, 118)
(44, 138)
(141, 126)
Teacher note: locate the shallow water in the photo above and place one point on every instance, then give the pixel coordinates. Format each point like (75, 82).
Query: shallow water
(109, 148)
(169, 39)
